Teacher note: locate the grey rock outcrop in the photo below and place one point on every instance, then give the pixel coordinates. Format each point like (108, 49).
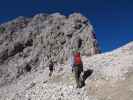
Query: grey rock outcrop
(27, 44)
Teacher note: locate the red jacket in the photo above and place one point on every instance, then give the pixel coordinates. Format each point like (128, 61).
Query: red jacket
(77, 58)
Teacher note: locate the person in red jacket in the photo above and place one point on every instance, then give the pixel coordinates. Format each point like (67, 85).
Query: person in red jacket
(78, 69)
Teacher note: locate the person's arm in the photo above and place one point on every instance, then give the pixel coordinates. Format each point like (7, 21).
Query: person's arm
(72, 61)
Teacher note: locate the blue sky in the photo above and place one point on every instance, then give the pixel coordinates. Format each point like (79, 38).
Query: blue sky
(112, 19)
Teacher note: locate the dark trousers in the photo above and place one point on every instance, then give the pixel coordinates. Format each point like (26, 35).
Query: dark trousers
(50, 73)
(77, 71)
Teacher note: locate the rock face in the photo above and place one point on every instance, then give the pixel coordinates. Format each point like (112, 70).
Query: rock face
(111, 79)
(27, 44)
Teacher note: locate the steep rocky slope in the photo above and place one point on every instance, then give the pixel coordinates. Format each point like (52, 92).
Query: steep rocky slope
(112, 79)
(27, 44)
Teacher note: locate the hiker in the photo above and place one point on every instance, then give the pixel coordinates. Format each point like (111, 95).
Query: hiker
(78, 69)
(51, 67)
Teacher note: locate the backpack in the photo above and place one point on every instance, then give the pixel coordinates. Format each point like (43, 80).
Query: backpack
(77, 58)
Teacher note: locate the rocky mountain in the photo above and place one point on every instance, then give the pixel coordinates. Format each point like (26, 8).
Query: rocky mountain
(112, 79)
(27, 44)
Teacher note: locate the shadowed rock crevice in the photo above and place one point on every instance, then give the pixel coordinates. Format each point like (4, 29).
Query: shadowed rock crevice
(27, 68)
(79, 43)
(18, 47)
(3, 56)
(29, 43)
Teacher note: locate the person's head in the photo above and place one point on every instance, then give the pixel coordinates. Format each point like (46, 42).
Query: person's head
(74, 50)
